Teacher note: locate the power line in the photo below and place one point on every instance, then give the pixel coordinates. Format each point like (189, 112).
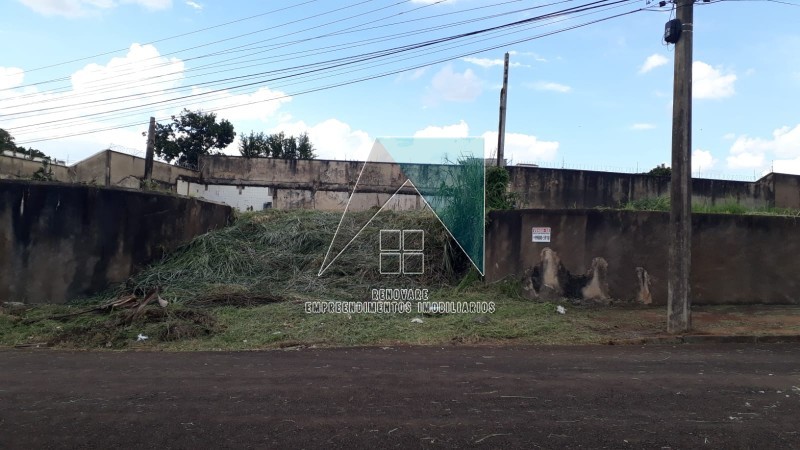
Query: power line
(313, 77)
(305, 69)
(111, 52)
(293, 55)
(350, 82)
(235, 37)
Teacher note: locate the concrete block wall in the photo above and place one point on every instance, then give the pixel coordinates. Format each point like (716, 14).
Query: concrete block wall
(60, 241)
(736, 259)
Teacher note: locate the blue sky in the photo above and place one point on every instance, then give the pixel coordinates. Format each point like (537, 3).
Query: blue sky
(597, 97)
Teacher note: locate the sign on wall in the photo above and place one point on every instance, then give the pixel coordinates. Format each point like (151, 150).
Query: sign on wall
(541, 234)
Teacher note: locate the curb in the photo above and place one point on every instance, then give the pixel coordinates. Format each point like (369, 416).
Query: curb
(710, 339)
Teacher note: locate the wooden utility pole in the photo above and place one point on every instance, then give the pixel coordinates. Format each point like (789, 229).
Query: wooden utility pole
(151, 141)
(679, 316)
(501, 132)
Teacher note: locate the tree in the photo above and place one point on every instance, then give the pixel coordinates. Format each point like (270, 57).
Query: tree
(661, 171)
(305, 149)
(277, 145)
(190, 135)
(254, 145)
(7, 143)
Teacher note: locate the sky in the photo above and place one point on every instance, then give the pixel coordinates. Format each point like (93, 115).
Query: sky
(80, 76)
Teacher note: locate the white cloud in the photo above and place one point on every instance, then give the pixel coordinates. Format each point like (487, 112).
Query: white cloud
(746, 160)
(520, 148)
(642, 126)
(653, 61)
(459, 130)
(549, 86)
(729, 136)
(194, 5)
(787, 166)
(81, 8)
(708, 82)
(784, 147)
(453, 86)
(412, 75)
(486, 62)
(535, 56)
(785, 142)
(128, 70)
(121, 76)
(11, 77)
(332, 139)
(260, 104)
(702, 160)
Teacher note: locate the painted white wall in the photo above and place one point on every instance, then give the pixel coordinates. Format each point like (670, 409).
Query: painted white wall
(243, 198)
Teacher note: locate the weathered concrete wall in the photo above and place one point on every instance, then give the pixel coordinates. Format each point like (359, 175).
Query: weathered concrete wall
(110, 168)
(319, 184)
(561, 188)
(535, 187)
(786, 190)
(20, 168)
(301, 174)
(106, 168)
(60, 241)
(735, 259)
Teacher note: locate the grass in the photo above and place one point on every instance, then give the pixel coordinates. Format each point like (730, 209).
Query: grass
(286, 324)
(730, 206)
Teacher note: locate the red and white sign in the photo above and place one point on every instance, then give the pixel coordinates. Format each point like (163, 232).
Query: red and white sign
(541, 234)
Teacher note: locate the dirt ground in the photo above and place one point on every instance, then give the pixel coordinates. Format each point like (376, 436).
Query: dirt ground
(733, 320)
(654, 396)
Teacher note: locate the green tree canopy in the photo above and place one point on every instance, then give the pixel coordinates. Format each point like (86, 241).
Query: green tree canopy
(191, 134)
(277, 145)
(7, 143)
(661, 171)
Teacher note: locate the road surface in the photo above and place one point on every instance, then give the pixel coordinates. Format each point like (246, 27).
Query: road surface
(686, 396)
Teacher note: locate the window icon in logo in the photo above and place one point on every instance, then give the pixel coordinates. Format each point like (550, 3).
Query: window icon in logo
(401, 252)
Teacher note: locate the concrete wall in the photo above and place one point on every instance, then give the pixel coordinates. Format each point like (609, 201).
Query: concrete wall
(561, 188)
(735, 259)
(314, 184)
(786, 190)
(106, 168)
(21, 168)
(110, 168)
(535, 187)
(305, 174)
(61, 241)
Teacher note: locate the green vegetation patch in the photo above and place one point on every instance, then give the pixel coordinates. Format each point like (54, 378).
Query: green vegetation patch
(730, 206)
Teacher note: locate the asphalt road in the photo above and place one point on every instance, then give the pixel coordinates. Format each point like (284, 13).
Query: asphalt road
(689, 396)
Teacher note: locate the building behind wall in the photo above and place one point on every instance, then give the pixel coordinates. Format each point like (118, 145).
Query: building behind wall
(243, 198)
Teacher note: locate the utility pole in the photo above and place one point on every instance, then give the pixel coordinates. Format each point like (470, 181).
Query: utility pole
(501, 132)
(679, 315)
(151, 141)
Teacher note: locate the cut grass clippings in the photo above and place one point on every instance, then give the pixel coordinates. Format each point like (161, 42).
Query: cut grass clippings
(286, 324)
